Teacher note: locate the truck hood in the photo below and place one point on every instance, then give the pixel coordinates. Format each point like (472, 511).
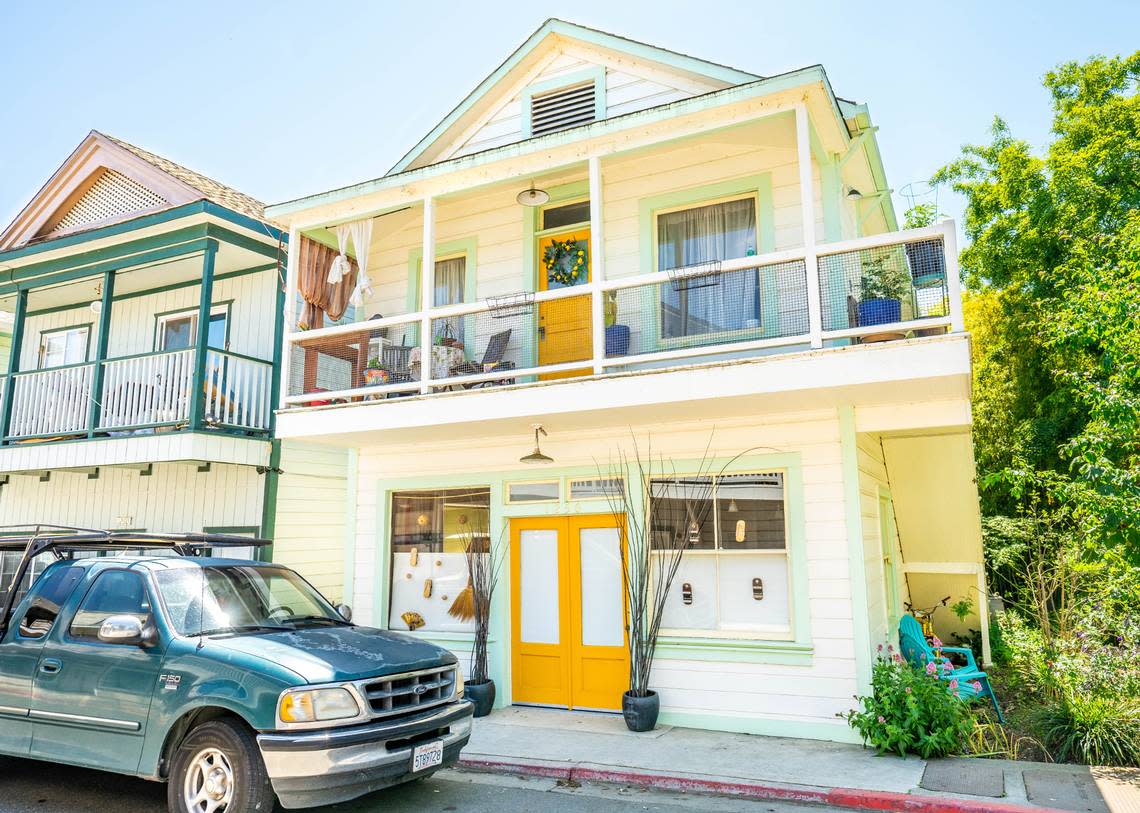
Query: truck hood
(330, 654)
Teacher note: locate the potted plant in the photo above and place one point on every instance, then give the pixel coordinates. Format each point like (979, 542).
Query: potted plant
(484, 565)
(617, 336)
(925, 258)
(883, 283)
(374, 373)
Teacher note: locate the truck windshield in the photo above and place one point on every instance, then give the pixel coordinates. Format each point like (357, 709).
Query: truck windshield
(241, 599)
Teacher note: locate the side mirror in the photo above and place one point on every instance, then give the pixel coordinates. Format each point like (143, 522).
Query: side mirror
(122, 629)
(344, 611)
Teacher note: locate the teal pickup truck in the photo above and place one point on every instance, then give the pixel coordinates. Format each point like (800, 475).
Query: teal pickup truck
(233, 681)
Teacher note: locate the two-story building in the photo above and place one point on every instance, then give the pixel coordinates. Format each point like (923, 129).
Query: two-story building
(143, 307)
(625, 246)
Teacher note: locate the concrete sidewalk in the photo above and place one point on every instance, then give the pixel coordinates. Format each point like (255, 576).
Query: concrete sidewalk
(578, 746)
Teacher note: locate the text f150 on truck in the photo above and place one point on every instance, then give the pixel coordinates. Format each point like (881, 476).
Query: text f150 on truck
(233, 681)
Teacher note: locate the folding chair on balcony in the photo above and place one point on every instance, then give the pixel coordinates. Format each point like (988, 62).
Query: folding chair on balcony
(492, 362)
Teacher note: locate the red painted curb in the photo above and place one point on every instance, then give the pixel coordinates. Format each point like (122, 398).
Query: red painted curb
(836, 797)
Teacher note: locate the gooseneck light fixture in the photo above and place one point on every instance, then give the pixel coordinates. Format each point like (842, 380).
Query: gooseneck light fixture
(532, 196)
(537, 456)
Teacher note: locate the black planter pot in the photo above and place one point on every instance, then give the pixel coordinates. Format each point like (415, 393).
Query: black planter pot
(482, 696)
(640, 713)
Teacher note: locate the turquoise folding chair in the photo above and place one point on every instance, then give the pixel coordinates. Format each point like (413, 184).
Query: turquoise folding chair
(918, 653)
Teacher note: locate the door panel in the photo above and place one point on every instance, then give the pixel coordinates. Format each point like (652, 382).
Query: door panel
(564, 325)
(18, 659)
(569, 611)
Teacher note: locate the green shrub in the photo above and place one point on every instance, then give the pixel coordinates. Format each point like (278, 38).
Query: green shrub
(910, 712)
(1091, 729)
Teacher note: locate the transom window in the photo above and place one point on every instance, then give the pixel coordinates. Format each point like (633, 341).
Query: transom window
(734, 575)
(702, 234)
(62, 347)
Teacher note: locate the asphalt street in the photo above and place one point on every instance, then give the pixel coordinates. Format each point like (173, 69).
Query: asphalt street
(27, 786)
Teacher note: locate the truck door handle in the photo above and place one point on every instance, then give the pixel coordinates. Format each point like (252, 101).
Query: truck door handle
(50, 666)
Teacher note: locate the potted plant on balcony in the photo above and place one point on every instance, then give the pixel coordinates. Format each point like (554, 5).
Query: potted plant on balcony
(374, 373)
(484, 565)
(927, 264)
(617, 336)
(884, 281)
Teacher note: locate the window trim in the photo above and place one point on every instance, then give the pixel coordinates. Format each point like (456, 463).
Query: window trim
(224, 307)
(467, 248)
(71, 638)
(86, 326)
(595, 73)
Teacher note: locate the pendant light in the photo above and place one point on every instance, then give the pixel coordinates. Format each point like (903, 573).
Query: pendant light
(532, 196)
(97, 303)
(537, 456)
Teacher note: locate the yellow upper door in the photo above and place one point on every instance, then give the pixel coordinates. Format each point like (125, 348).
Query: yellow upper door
(564, 324)
(568, 612)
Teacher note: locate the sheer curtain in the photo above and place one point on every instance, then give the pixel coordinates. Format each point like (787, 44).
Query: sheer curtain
(449, 279)
(720, 231)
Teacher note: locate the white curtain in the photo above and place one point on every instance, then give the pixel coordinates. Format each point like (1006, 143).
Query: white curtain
(361, 233)
(448, 287)
(720, 231)
(340, 267)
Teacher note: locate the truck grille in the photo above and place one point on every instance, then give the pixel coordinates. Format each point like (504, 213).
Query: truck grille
(410, 691)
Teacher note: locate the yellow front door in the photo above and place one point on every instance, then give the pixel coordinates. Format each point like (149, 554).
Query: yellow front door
(564, 324)
(568, 624)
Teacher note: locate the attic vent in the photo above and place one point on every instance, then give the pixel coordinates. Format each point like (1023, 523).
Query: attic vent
(562, 109)
(112, 195)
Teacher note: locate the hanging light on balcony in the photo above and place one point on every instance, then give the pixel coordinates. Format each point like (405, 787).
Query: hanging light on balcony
(532, 196)
(537, 456)
(854, 194)
(97, 303)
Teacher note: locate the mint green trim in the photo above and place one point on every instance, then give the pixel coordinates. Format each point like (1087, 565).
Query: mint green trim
(639, 50)
(733, 650)
(595, 74)
(398, 177)
(772, 727)
(830, 187)
(16, 343)
(852, 503)
(468, 247)
(352, 474)
(759, 186)
(268, 528)
(888, 532)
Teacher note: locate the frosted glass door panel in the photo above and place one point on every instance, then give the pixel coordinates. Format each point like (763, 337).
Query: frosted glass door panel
(739, 608)
(699, 572)
(602, 619)
(538, 586)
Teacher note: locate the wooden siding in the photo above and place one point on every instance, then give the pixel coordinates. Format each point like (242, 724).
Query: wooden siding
(873, 478)
(312, 514)
(174, 497)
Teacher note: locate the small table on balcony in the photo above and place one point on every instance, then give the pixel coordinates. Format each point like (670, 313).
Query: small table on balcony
(444, 360)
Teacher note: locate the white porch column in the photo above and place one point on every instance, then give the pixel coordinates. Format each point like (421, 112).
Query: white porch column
(597, 263)
(427, 294)
(807, 214)
(953, 281)
(291, 272)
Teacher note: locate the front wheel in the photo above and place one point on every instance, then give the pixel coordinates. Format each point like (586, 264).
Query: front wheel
(218, 769)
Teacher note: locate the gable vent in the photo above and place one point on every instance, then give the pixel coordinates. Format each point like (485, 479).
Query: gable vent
(562, 109)
(112, 195)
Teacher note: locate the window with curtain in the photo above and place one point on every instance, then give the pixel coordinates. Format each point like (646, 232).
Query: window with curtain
(449, 281)
(719, 231)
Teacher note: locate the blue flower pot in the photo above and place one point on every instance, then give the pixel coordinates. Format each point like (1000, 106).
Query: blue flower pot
(617, 340)
(879, 312)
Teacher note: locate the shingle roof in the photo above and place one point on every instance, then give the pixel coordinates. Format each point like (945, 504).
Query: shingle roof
(212, 190)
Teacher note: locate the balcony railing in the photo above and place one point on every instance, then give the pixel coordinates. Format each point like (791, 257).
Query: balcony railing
(870, 289)
(139, 393)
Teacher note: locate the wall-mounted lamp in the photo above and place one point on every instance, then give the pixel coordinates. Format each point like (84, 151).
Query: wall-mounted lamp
(532, 196)
(537, 456)
(854, 194)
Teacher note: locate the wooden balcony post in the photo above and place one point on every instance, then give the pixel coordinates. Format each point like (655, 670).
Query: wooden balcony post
(205, 302)
(427, 294)
(807, 215)
(597, 264)
(13, 361)
(101, 340)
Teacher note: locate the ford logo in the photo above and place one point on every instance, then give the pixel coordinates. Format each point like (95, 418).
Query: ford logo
(420, 689)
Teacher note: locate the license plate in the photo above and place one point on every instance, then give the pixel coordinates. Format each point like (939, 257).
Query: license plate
(428, 755)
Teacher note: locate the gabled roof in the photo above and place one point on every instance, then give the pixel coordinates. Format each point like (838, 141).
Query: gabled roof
(106, 180)
(553, 29)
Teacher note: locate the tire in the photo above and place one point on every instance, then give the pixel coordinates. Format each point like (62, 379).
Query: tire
(218, 762)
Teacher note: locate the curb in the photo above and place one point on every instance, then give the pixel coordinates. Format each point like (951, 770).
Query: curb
(835, 797)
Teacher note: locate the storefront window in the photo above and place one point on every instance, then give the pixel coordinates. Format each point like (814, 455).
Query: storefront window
(432, 531)
(734, 574)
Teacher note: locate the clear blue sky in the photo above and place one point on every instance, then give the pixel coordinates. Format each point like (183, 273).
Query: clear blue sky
(282, 99)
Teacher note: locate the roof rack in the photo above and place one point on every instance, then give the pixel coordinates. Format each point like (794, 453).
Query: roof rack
(35, 539)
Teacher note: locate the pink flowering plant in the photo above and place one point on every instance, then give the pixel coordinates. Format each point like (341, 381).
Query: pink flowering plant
(910, 711)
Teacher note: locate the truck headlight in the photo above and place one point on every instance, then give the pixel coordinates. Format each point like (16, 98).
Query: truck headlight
(317, 705)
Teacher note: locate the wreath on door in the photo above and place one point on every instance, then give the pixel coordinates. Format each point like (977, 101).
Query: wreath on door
(566, 261)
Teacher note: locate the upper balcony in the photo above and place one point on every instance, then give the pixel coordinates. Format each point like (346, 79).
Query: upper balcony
(750, 243)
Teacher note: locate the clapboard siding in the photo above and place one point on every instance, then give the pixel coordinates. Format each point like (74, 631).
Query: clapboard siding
(312, 514)
(174, 497)
(872, 478)
(133, 320)
(813, 692)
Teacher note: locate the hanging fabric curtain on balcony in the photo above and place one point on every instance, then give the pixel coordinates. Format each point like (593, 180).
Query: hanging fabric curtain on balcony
(314, 262)
(361, 233)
